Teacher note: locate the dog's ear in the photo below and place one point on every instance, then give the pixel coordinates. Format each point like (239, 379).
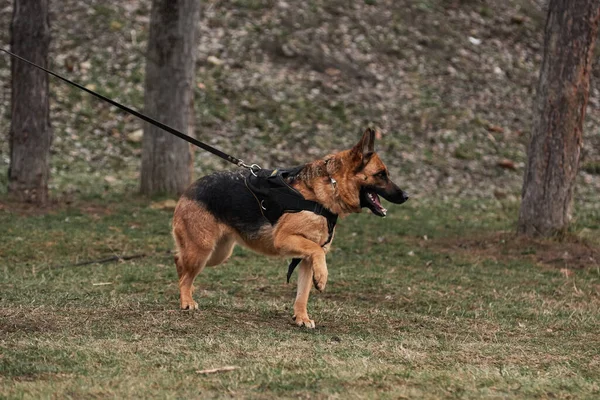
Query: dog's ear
(365, 148)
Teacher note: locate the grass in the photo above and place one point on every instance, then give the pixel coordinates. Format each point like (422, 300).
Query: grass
(429, 302)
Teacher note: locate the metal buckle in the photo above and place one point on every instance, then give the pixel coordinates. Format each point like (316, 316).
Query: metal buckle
(252, 167)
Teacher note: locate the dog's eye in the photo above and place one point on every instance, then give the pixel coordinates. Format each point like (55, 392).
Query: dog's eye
(383, 175)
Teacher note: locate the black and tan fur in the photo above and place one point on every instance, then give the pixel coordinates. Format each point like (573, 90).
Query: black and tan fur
(218, 211)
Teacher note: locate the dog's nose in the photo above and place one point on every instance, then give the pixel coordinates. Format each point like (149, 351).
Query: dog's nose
(405, 196)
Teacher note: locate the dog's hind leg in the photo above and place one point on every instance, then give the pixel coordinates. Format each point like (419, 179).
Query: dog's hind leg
(189, 263)
(197, 237)
(192, 259)
(222, 251)
(305, 277)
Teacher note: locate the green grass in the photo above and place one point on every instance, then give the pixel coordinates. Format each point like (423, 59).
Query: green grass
(467, 313)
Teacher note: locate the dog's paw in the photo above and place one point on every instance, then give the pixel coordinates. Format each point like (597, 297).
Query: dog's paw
(320, 280)
(189, 305)
(304, 321)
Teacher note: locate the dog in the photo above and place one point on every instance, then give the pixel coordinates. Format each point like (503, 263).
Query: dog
(219, 211)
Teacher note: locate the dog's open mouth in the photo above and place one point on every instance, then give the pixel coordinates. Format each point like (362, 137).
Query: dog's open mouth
(370, 199)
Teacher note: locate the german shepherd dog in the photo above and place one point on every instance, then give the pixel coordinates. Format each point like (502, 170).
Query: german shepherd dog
(218, 211)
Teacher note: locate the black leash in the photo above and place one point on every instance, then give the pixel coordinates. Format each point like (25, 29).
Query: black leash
(167, 128)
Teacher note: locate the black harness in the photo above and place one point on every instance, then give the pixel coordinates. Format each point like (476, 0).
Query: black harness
(276, 197)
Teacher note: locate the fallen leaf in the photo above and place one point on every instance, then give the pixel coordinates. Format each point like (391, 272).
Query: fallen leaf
(517, 19)
(495, 128)
(115, 25)
(85, 66)
(288, 50)
(499, 194)
(164, 205)
(332, 71)
(68, 64)
(246, 105)
(135, 136)
(506, 164)
(214, 60)
(474, 41)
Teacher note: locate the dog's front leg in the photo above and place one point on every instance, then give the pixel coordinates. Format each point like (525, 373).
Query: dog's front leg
(295, 245)
(313, 269)
(305, 275)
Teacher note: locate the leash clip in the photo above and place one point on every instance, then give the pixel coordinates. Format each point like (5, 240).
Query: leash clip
(252, 167)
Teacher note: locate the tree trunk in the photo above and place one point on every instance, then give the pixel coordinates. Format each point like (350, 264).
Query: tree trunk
(170, 71)
(562, 95)
(30, 133)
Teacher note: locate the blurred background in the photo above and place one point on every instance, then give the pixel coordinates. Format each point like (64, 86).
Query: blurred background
(450, 84)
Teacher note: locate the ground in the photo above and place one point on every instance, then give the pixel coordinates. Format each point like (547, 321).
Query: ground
(438, 300)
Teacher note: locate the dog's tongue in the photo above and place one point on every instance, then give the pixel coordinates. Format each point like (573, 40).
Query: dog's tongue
(376, 200)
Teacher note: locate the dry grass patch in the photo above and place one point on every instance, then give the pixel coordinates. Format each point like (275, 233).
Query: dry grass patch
(570, 252)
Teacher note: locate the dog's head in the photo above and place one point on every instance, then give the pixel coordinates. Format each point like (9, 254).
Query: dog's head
(363, 177)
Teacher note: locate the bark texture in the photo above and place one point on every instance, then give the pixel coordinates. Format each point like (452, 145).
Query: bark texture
(170, 71)
(562, 96)
(30, 133)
